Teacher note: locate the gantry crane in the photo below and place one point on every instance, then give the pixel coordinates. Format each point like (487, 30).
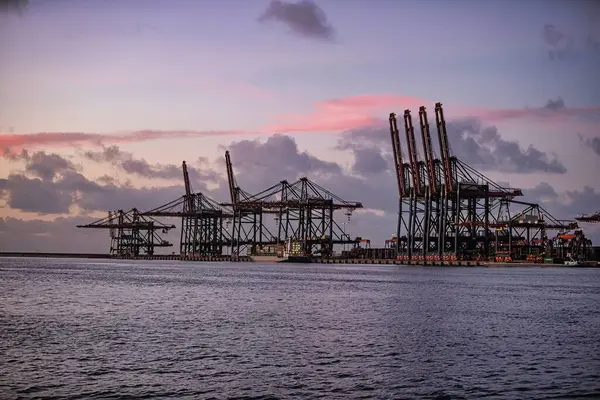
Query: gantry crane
(132, 234)
(591, 218)
(203, 221)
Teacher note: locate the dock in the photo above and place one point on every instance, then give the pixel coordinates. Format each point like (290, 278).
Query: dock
(247, 259)
(21, 254)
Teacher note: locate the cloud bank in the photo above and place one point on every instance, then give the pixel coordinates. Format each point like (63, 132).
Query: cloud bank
(331, 116)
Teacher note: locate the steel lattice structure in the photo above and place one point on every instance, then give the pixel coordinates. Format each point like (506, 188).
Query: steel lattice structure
(203, 230)
(132, 233)
(591, 218)
(248, 228)
(303, 211)
(447, 210)
(203, 224)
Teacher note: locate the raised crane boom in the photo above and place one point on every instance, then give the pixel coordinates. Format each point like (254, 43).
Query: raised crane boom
(231, 178)
(398, 164)
(412, 152)
(444, 147)
(428, 149)
(188, 188)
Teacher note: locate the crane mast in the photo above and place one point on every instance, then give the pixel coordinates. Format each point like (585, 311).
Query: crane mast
(428, 149)
(444, 146)
(412, 151)
(397, 152)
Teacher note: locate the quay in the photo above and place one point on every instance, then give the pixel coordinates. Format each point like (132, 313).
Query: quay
(229, 258)
(157, 257)
(391, 261)
(21, 254)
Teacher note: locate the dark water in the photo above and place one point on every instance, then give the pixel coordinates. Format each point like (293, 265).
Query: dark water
(80, 329)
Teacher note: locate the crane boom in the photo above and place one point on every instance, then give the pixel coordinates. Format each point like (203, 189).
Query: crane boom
(188, 188)
(412, 151)
(428, 149)
(397, 152)
(230, 178)
(444, 146)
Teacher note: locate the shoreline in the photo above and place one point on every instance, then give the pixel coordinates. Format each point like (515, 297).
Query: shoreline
(356, 261)
(25, 254)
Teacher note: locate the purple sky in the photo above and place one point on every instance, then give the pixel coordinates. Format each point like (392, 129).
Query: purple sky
(113, 67)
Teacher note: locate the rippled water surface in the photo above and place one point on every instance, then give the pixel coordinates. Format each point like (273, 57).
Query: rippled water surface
(83, 329)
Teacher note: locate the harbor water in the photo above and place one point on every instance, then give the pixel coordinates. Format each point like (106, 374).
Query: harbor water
(158, 329)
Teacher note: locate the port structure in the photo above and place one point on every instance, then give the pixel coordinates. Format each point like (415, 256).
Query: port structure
(449, 211)
(534, 231)
(575, 244)
(203, 221)
(302, 212)
(203, 226)
(589, 218)
(299, 213)
(132, 234)
(249, 230)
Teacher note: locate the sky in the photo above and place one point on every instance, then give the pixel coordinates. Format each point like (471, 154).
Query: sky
(101, 100)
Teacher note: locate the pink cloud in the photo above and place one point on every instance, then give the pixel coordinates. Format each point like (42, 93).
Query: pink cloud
(328, 116)
(15, 141)
(336, 115)
(343, 114)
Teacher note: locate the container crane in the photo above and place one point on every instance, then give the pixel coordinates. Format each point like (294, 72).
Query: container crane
(413, 153)
(398, 162)
(428, 150)
(444, 148)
